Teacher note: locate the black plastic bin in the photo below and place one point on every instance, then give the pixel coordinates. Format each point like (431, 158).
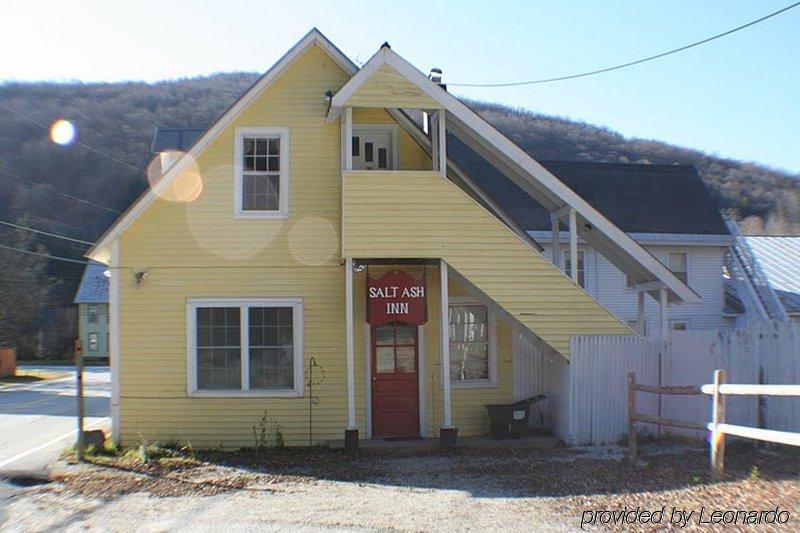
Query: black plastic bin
(511, 419)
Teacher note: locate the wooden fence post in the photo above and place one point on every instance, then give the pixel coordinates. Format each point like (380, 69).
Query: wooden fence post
(717, 436)
(631, 413)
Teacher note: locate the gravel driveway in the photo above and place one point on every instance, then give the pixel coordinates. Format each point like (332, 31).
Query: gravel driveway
(509, 490)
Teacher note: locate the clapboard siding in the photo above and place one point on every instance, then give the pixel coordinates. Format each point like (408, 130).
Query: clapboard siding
(607, 284)
(423, 215)
(387, 88)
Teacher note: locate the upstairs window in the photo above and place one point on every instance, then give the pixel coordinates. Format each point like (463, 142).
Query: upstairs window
(261, 180)
(678, 263)
(93, 313)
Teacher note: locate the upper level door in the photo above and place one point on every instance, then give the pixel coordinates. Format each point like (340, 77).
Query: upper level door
(372, 150)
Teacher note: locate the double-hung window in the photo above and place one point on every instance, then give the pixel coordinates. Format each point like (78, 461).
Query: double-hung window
(245, 346)
(93, 343)
(471, 332)
(581, 266)
(261, 173)
(678, 263)
(93, 313)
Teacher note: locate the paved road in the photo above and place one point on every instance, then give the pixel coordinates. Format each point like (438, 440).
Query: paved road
(37, 420)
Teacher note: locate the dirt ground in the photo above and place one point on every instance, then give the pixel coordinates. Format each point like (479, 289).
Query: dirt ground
(512, 490)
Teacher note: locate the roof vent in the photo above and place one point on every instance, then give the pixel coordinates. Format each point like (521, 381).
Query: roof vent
(436, 75)
(386, 45)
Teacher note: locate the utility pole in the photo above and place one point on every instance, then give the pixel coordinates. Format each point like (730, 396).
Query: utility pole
(79, 447)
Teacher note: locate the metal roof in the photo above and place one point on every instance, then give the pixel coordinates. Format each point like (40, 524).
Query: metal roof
(180, 139)
(636, 198)
(779, 259)
(94, 285)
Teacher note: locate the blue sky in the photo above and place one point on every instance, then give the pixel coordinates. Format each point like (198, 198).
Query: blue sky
(735, 97)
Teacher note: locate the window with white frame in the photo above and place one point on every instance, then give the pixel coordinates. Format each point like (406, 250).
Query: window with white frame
(245, 346)
(93, 342)
(678, 263)
(581, 266)
(93, 312)
(471, 344)
(261, 181)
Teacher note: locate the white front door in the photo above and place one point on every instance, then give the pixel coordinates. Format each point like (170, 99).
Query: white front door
(372, 150)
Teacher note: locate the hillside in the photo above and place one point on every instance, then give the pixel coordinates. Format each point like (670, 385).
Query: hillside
(118, 119)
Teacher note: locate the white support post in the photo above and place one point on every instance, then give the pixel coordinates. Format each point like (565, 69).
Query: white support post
(433, 119)
(556, 228)
(573, 245)
(444, 347)
(442, 146)
(347, 142)
(662, 302)
(351, 368)
(640, 315)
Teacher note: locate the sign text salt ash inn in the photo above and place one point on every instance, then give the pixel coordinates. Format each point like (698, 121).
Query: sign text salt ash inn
(396, 297)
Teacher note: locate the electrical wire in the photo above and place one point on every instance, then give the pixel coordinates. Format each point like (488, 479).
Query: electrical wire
(48, 186)
(42, 254)
(57, 236)
(630, 63)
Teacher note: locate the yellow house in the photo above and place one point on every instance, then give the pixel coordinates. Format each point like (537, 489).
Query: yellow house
(316, 257)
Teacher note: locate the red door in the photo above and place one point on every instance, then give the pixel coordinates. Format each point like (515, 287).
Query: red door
(395, 382)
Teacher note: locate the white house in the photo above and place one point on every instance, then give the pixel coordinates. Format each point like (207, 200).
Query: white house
(665, 208)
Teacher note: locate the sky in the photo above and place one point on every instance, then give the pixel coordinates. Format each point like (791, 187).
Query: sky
(735, 97)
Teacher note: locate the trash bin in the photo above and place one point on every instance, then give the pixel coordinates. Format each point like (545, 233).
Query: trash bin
(511, 419)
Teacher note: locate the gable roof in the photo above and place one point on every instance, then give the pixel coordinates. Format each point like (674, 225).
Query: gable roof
(528, 174)
(636, 198)
(779, 261)
(101, 251)
(94, 285)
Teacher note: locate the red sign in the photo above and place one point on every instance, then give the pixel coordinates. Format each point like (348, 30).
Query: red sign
(396, 297)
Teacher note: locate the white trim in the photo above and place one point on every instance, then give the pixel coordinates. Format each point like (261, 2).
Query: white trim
(391, 129)
(527, 173)
(444, 344)
(283, 192)
(242, 304)
(491, 381)
(312, 38)
(368, 374)
(114, 344)
(352, 423)
(421, 373)
(347, 147)
(441, 141)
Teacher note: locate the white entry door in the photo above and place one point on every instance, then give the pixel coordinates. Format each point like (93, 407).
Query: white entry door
(372, 150)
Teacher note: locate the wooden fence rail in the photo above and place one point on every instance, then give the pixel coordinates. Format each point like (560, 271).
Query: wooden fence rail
(634, 416)
(718, 390)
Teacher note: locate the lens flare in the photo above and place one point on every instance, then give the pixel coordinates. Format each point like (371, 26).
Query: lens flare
(185, 187)
(63, 132)
(313, 241)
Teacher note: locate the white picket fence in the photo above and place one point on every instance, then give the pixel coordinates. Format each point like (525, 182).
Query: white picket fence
(599, 366)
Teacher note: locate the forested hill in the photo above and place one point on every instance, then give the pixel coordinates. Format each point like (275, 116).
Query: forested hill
(117, 121)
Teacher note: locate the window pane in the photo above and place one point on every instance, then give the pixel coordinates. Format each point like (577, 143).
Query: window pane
(356, 146)
(384, 359)
(260, 193)
(274, 146)
(261, 146)
(218, 348)
(271, 348)
(469, 342)
(93, 342)
(404, 334)
(249, 146)
(405, 359)
(677, 261)
(469, 361)
(261, 164)
(384, 335)
(368, 156)
(381, 157)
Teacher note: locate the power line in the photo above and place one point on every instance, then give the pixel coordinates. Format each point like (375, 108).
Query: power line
(57, 236)
(41, 254)
(78, 142)
(62, 193)
(630, 63)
